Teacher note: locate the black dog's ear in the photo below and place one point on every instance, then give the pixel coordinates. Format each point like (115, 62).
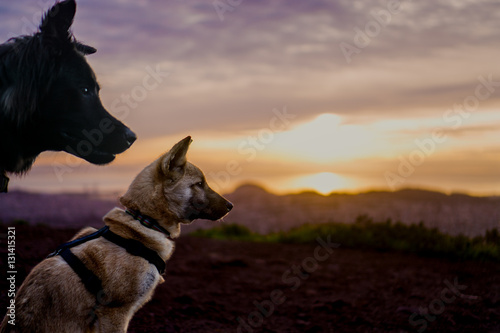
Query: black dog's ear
(85, 49)
(56, 22)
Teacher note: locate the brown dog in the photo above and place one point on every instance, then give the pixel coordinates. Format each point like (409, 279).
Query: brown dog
(54, 298)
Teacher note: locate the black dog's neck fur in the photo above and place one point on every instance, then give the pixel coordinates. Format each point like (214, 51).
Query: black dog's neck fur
(21, 91)
(4, 182)
(23, 85)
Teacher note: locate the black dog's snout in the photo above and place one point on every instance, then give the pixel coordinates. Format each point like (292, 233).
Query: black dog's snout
(229, 206)
(130, 137)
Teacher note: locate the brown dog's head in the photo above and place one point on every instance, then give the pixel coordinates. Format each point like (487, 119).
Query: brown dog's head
(172, 191)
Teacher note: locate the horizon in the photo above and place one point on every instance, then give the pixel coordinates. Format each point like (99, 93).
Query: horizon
(100, 193)
(330, 96)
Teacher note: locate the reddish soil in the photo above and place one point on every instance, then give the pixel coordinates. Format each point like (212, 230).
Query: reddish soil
(212, 283)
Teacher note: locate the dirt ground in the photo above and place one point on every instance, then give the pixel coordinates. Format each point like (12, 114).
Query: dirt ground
(225, 286)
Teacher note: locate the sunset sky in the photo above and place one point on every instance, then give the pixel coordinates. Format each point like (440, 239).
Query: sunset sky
(339, 95)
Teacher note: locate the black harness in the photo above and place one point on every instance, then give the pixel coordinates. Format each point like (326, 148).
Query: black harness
(132, 246)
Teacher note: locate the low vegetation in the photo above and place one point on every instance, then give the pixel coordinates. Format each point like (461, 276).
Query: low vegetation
(382, 236)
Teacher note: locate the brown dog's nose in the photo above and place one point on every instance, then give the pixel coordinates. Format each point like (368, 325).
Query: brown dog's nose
(229, 206)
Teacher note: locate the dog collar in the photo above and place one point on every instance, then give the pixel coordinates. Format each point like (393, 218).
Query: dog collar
(148, 222)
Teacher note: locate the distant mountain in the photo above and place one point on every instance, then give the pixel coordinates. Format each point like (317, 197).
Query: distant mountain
(57, 210)
(456, 213)
(264, 212)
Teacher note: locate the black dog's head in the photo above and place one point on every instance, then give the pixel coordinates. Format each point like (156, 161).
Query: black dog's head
(50, 96)
(82, 126)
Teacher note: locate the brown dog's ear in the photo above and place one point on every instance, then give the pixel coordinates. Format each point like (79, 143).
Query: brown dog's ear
(173, 163)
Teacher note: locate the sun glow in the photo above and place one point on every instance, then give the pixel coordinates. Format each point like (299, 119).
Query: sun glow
(327, 139)
(324, 182)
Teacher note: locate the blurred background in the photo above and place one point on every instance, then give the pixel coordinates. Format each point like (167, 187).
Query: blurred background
(304, 95)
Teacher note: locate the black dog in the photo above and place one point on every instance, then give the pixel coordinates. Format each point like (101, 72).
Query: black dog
(49, 99)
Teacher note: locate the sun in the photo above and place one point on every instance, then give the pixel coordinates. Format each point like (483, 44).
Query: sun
(324, 182)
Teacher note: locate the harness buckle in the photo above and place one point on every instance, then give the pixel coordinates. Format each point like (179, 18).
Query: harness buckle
(53, 254)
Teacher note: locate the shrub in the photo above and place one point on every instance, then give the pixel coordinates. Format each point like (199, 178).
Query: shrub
(226, 231)
(382, 236)
(20, 222)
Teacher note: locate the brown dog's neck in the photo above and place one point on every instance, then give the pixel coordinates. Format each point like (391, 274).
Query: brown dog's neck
(148, 221)
(126, 226)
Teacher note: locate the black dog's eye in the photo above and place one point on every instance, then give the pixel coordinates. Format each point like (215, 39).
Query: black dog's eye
(86, 91)
(199, 184)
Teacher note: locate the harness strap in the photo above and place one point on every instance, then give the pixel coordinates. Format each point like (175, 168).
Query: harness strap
(89, 279)
(136, 248)
(91, 282)
(79, 241)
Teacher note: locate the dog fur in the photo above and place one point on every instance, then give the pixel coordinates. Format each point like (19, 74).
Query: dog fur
(49, 98)
(53, 299)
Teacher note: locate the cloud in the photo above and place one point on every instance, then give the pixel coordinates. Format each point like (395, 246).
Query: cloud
(267, 54)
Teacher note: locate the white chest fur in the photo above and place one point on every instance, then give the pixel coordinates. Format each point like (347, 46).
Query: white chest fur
(149, 281)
